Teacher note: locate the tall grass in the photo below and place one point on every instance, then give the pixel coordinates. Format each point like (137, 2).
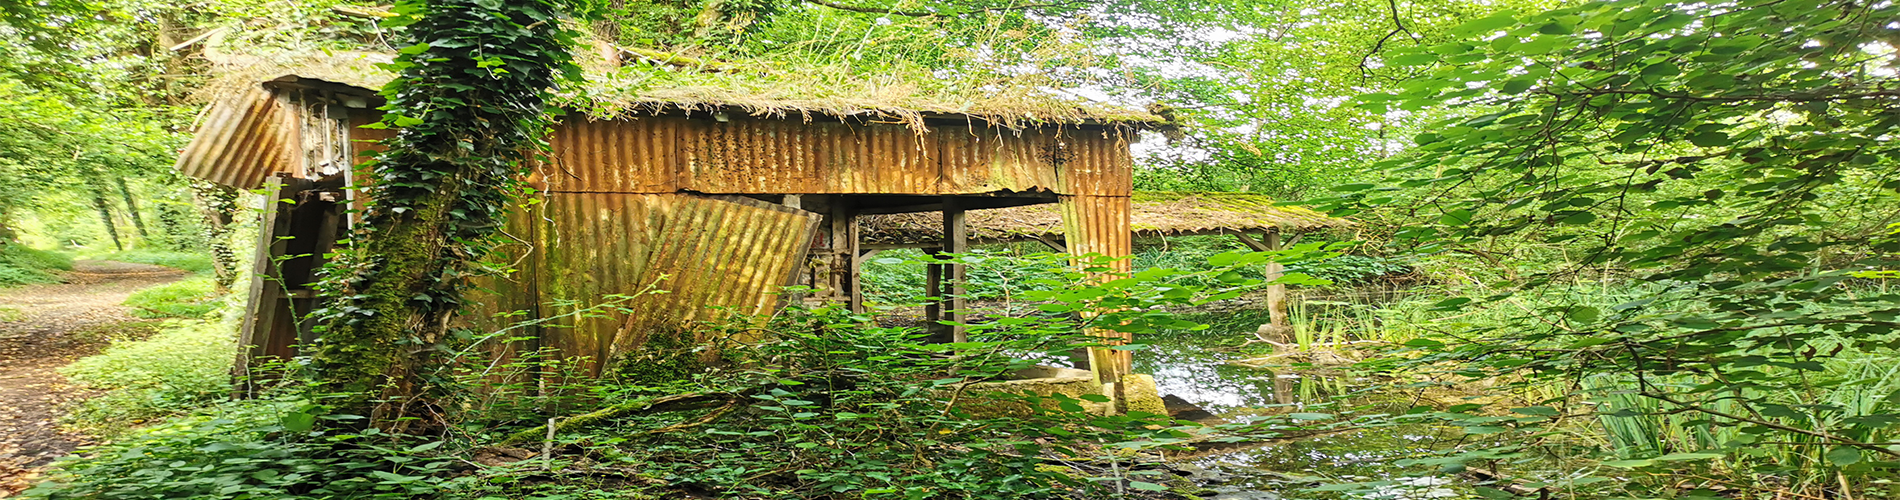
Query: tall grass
(1847, 398)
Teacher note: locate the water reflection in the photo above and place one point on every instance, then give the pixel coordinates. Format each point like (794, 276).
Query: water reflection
(1192, 365)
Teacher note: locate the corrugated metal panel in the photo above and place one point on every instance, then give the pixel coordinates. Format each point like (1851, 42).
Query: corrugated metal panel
(1098, 224)
(1092, 162)
(700, 251)
(986, 160)
(502, 303)
(616, 156)
(241, 141)
(764, 156)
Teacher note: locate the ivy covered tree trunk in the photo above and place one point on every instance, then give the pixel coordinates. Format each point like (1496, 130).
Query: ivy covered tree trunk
(219, 204)
(469, 108)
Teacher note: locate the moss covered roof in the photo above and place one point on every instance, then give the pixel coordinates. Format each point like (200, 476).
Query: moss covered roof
(757, 88)
(1155, 214)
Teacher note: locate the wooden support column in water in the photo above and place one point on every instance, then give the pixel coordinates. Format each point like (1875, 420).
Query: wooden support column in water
(1279, 327)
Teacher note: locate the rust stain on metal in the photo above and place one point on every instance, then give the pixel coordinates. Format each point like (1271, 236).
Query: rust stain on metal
(1091, 162)
(241, 141)
(759, 156)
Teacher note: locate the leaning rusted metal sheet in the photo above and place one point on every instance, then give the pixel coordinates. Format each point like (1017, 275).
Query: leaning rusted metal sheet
(614, 156)
(980, 159)
(1093, 162)
(752, 155)
(622, 266)
(241, 141)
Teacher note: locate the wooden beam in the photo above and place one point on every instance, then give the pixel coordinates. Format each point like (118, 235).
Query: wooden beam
(905, 209)
(1056, 244)
(956, 236)
(1251, 243)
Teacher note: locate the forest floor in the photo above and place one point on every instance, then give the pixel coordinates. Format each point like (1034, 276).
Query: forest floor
(45, 327)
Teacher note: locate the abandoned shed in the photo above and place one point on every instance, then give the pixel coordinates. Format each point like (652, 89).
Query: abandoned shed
(715, 206)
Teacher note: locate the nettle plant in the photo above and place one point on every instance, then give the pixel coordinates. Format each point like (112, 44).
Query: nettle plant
(1739, 155)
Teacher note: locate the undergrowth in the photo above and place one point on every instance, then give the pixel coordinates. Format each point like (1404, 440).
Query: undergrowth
(20, 265)
(187, 364)
(191, 298)
(196, 262)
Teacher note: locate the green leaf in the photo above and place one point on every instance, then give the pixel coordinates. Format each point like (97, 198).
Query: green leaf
(299, 421)
(1140, 485)
(1843, 456)
(1485, 25)
(1310, 416)
(1629, 464)
(1457, 217)
(1687, 457)
(1584, 314)
(1709, 139)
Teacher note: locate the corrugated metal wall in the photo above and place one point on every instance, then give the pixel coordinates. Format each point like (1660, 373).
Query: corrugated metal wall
(748, 155)
(240, 141)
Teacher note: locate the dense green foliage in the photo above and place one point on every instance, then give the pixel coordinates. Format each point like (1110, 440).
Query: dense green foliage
(1651, 242)
(1738, 156)
(193, 298)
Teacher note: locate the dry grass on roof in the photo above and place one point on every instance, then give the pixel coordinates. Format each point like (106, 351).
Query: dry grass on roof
(1155, 214)
(777, 89)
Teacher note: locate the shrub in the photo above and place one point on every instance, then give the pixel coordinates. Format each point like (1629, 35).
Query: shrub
(192, 298)
(184, 366)
(248, 449)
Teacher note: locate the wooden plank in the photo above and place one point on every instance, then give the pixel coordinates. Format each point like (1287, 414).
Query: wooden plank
(266, 294)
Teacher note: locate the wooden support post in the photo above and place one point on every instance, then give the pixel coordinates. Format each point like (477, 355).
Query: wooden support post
(1279, 327)
(933, 300)
(846, 263)
(956, 240)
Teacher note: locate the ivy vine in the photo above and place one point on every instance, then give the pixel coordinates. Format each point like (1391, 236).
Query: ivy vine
(469, 106)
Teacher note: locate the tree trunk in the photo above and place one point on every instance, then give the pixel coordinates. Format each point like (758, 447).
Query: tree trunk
(440, 196)
(105, 216)
(132, 209)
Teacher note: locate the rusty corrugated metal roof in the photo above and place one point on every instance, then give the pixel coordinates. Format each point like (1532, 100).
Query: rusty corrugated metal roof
(241, 140)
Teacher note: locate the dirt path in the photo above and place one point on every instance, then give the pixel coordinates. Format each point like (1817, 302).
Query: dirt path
(44, 327)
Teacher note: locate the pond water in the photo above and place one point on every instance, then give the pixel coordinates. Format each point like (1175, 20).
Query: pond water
(1191, 365)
